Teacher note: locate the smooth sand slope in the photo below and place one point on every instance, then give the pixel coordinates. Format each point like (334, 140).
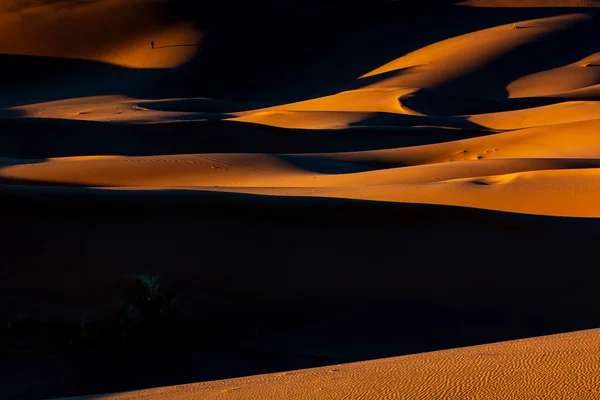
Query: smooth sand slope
(563, 366)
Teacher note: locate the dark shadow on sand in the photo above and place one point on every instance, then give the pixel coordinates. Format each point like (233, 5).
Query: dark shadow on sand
(443, 103)
(323, 56)
(541, 55)
(322, 281)
(34, 138)
(326, 51)
(35, 79)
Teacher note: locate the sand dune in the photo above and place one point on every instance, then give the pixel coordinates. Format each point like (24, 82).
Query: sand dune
(106, 30)
(462, 171)
(545, 142)
(579, 75)
(554, 192)
(439, 63)
(559, 366)
(530, 136)
(562, 186)
(564, 112)
(104, 108)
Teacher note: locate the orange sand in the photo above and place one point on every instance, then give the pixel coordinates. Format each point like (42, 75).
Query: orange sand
(563, 366)
(561, 133)
(109, 31)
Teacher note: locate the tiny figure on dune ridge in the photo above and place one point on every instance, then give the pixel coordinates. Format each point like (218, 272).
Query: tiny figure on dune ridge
(152, 44)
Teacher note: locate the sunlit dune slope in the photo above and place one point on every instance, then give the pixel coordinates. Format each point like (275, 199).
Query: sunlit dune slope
(539, 116)
(120, 109)
(588, 93)
(579, 75)
(564, 187)
(535, 148)
(573, 193)
(109, 31)
(450, 62)
(559, 367)
(256, 170)
(453, 58)
(576, 139)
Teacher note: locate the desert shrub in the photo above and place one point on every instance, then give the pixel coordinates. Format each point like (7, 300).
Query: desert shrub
(148, 311)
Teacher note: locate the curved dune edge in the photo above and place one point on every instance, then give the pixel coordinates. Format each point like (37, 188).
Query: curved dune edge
(431, 67)
(557, 366)
(561, 187)
(579, 75)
